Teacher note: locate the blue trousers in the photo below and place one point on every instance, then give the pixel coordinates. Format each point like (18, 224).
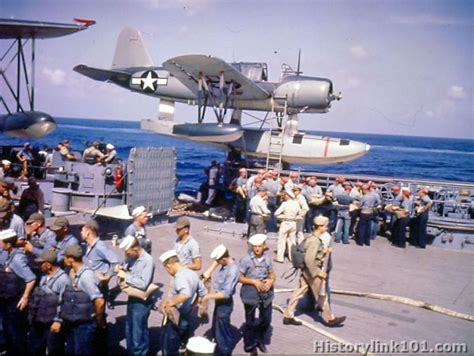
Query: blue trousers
(222, 327)
(80, 338)
(255, 328)
(41, 338)
(138, 334)
(342, 226)
(173, 336)
(15, 327)
(365, 228)
(420, 235)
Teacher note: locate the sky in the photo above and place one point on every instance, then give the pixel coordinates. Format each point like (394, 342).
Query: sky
(403, 66)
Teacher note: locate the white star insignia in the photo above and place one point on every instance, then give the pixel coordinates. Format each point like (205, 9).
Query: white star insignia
(148, 82)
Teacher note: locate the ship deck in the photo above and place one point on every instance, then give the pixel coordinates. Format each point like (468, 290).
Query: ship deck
(433, 275)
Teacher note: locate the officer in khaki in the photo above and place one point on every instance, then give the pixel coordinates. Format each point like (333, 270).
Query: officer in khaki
(287, 213)
(312, 276)
(259, 212)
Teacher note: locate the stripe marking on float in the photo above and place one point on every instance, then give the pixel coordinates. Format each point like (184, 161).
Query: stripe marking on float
(326, 147)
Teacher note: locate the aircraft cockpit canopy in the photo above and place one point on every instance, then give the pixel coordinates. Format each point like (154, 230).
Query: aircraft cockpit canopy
(253, 71)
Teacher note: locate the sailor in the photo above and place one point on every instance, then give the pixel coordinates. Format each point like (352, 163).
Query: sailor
(31, 201)
(253, 190)
(257, 278)
(6, 169)
(138, 273)
(44, 308)
(354, 208)
(251, 181)
(343, 202)
(403, 211)
(110, 154)
(374, 190)
(212, 181)
(224, 289)
(314, 273)
(273, 187)
(187, 289)
(420, 221)
(25, 156)
(238, 187)
(64, 148)
(82, 306)
(64, 238)
(337, 188)
(186, 247)
(39, 237)
(314, 195)
(18, 282)
(287, 214)
(259, 212)
(368, 203)
(304, 208)
(92, 154)
(9, 220)
(137, 228)
(98, 257)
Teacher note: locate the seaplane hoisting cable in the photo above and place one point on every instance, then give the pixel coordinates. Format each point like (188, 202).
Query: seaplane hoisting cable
(23, 122)
(210, 82)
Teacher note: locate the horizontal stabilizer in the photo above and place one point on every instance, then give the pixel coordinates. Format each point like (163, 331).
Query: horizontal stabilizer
(103, 75)
(130, 51)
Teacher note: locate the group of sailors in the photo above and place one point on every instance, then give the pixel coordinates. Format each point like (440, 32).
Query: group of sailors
(268, 199)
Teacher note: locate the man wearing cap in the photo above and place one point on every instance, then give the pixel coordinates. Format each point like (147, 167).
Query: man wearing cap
(25, 156)
(18, 282)
(9, 220)
(273, 187)
(314, 273)
(137, 228)
(187, 289)
(342, 203)
(259, 212)
(403, 211)
(287, 214)
(44, 308)
(420, 221)
(186, 246)
(304, 208)
(390, 207)
(337, 188)
(39, 237)
(64, 238)
(6, 169)
(110, 154)
(92, 154)
(257, 278)
(82, 306)
(212, 173)
(64, 148)
(313, 194)
(238, 187)
(368, 203)
(98, 257)
(224, 289)
(138, 273)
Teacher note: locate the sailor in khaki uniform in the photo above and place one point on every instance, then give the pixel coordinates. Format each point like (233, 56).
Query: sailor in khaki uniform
(313, 275)
(259, 212)
(287, 213)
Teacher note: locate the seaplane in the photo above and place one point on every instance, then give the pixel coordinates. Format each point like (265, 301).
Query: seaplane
(27, 123)
(206, 81)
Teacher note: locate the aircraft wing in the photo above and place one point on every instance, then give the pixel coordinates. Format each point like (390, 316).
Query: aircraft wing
(187, 69)
(103, 75)
(13, 29)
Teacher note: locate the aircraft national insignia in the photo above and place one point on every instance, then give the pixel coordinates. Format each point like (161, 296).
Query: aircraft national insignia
(149, 81)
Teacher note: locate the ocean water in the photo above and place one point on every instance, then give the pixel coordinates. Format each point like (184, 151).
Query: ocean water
(394, 156)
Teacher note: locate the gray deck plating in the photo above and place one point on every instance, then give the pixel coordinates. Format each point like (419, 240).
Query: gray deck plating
(437, 276)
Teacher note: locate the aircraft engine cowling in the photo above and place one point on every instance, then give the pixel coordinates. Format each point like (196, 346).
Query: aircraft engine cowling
(306, 94)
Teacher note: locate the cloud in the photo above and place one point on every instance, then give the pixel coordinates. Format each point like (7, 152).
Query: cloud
(54, 76)
(358, 52)
(189, 7)
(457, 92)
(442, 109)
(426, 19)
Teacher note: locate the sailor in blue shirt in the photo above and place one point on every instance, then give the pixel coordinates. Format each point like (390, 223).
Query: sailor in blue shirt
(64, 238)
(187, 289)
(369, 201)
(404, 209)
(137, 273)
(137, 228)
(224, 289)
(44, 309)
(9, 220)
(186, 246)
(257, 278)
(17, 285)
(420, 221)
(82, 306)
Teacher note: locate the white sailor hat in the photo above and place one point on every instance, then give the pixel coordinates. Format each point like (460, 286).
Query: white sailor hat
(127, 242)
(257, 239)
(109, 146)
(218, 252)
(168, 254)
(405, 189)
(200, 345)
(7, 234)
(6, 162)
(138, 211)
(320, 220)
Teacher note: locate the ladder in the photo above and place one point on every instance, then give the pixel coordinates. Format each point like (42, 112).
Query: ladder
(275, 141)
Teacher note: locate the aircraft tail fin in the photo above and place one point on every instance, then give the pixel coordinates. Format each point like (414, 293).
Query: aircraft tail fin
(131, 51)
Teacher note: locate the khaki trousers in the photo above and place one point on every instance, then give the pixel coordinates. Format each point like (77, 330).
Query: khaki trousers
(316, 286)
(286, 238)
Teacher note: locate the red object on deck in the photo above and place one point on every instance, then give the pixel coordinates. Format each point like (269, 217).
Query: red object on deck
(87, 22)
